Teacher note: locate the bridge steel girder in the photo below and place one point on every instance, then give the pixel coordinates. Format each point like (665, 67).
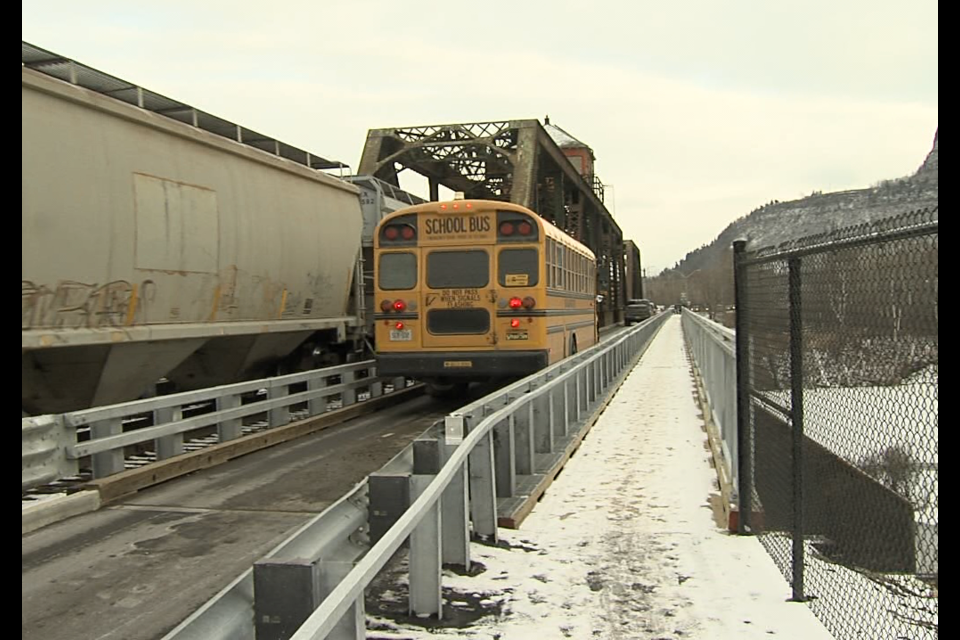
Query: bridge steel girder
(513, 161)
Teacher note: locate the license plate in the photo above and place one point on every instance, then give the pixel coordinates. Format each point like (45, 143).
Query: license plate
(517, 335)
(401, 335)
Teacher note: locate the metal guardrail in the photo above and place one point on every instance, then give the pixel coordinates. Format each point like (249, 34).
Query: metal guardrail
(713, 347)
(52, 446)
(41, 451)
(454, 476)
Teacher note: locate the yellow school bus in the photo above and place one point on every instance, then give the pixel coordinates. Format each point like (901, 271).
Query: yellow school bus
(472, 290)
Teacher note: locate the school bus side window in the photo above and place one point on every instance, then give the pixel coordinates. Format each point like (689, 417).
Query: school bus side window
(398, 271)
(548, 262)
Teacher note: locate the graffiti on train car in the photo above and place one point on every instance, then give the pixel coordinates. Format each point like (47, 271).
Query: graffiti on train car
(71, 304)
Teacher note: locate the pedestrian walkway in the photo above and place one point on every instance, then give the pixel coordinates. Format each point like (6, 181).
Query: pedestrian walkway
(625, 544)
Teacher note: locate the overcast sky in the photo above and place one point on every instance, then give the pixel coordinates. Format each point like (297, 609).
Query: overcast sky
(698, 111)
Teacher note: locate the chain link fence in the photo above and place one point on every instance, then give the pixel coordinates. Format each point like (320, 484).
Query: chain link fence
(837, 355)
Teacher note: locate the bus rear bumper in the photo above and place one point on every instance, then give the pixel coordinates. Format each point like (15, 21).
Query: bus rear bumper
(465, 364)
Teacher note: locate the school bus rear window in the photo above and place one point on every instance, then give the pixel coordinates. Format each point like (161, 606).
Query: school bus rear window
(458, 269)
(398, 271)
(518, 268)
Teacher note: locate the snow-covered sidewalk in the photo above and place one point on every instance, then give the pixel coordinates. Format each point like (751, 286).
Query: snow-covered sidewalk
(624, 544)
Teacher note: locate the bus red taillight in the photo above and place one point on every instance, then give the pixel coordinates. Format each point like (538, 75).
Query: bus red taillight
(399, 305)
(529, 303)
(398, 326)
(386, 306)
(515, 303)
(514, 323)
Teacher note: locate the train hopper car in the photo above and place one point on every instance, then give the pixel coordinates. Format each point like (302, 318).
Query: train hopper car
(161, 241)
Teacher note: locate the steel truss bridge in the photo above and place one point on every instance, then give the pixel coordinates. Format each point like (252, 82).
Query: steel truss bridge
(514, 161)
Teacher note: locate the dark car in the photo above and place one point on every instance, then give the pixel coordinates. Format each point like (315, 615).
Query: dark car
(638, 311)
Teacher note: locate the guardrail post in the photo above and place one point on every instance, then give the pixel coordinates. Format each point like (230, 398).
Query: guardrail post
(318, 405)
(231, 428)
(523, 430)
(425, 555)
(168, 446)
(349, 393)
(541, 414)
(109, 462)
(286, 592)
(580, 395)
(505, 458)
(591, 385)
(376, 387)
(483, 499)
(561, 411)
(278, 416)
(353, 624)
(455, 520)
(389, 495)
(426, 457)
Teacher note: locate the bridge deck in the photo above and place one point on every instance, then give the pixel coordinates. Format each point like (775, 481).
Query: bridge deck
(624, 543)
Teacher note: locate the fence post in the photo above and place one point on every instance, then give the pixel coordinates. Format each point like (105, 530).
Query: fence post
(744, 429)
(796, 417)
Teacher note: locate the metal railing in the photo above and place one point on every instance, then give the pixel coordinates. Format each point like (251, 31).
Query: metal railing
(53, 446)
(713, 348)
(452, 476)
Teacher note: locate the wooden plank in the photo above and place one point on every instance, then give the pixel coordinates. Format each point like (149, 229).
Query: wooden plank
(125, 483)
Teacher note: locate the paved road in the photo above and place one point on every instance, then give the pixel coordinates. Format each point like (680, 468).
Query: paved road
(135, 570)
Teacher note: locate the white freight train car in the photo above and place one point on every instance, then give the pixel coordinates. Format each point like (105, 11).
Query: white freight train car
(158, 240)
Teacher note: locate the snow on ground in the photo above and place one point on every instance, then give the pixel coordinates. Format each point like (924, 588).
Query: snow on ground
(863, 423)
(624, 545)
